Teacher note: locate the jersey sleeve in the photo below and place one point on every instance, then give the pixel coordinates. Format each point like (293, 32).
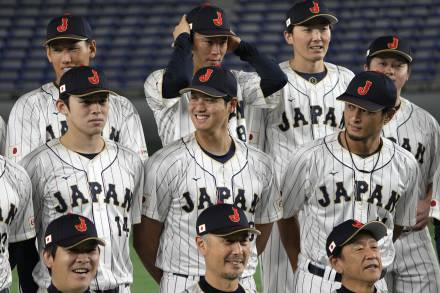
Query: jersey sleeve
(2, 136)
(23, 132)
(435, 202)
(295, 184)
(406, 207)
(23, 226)
(132, 132)
(159, 181)
(138, 192)
(435, 144)
(269, 209)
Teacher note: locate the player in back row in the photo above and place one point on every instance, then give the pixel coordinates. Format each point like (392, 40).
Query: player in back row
(2, 136)
(415, 268)
(202, 38)
(204, 168)
(84, 173)
(34, 119)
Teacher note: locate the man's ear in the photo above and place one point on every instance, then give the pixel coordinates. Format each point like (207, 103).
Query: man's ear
(92, 48)
(201, 245)
(234, 103)
(336, 264)
(61, 106)
(47, 259)
(288, 37)
(389, 115)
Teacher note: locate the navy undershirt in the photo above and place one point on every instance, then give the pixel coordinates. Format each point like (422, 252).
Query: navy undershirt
(53, 289)
(209, 289)
(345, 290)
(88, 156)
(313, 77)
(222, 158)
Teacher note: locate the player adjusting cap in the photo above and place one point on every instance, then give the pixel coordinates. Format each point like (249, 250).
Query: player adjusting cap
(304, 11)
(82, 81)
(346, 231)
(223, 220)
(68, 27)
(209, 21)
(214, 81)
(371, 91)
(390, 44)
(69, 231)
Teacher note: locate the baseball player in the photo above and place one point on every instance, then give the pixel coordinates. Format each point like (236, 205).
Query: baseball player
(353, 251)
(204, 168)
(202, 38)
(71, 253)
(308, 110)
(34, 118)
(352, 174)
(17, 232)
(435, 210)
(415, 267)
(2, 136)
(223, 233)
(81, 172)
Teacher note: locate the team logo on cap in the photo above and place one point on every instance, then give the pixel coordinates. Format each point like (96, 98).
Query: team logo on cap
(82, 226)
(315, 8)
(205, 77)
(219, 20)
(48, 239)
(235, 217)
(364, 90)
(357, 224)
(95, 78)
(63, 26)
(202, 228)
(62, 88)
(393, 44)
(332, 246)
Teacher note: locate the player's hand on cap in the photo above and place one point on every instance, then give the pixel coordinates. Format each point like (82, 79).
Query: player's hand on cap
(181, 27)
(233, 42)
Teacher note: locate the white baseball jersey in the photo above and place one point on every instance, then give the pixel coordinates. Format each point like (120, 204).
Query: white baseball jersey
(182, 181)
(172, 117)
(2, 136)
(415, 267)
(107, 189)
(16, 213)
(306, 111)
(34, 120)
(331, 186)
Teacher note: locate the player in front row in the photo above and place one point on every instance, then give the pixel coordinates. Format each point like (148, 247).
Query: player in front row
(308, 110)
(204, 168)
(415, 267)
(202, 38)
(35, 119)
(83, 173)
(353, 174)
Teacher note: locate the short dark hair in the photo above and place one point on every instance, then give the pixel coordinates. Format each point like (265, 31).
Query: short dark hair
(52, 251)
(311, 22)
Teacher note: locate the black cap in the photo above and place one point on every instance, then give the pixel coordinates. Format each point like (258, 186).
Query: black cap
(223, 220)
(345, 232)
(68, 27)
(214, 81)
(82, 81)
(69, 231)
(303, 11)
(390, 44)
(209, 21)
(371, 91)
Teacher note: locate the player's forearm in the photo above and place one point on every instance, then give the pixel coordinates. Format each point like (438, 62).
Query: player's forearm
(272, 77)
(290, 237)
(396, 232)
(261, 241)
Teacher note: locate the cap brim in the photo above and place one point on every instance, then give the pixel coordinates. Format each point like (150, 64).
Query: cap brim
(84, 94)
(71, 243)
(392, 51)
(204, 90)
(331, 18)
(215, 33)
(235, 231)
(361, 103)
(67, 37)
(377, 229)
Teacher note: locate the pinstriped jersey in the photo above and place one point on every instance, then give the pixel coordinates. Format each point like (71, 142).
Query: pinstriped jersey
(182, 181)
(418, 132)
(2, 136)
(305, 112)
(172, 117)
(107, 189)
(16, 213)
(34, 120)
(331, 186)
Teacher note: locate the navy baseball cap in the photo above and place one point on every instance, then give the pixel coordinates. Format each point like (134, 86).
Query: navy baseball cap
(82, 81)
(304, 11)
(371, 91)
(209, 21)
(223, 220)
(390, 44)
(346, 231)
(214, 81)
(68, 27)
(69, 231)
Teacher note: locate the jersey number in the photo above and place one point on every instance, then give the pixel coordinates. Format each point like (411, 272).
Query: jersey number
(124, 227)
